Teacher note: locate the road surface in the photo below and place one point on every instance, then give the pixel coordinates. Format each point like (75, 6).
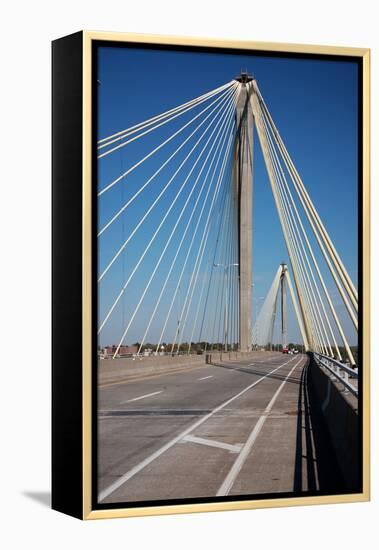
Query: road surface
(240, 428)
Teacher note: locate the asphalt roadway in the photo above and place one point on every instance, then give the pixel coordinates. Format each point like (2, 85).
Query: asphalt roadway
(240, 428)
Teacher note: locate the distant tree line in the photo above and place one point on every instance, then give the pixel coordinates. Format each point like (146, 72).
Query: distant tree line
(202, 347)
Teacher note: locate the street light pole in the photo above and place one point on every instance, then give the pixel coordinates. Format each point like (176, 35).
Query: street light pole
(226, 267)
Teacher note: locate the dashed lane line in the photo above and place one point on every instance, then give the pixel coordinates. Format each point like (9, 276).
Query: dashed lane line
(136, 469)
(142, 397)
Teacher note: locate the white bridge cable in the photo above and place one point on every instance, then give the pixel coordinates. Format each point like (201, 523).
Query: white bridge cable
(214, 199)
(221, 121)
(229, 258)
(219, 224)
(315, 263)
(231, 274)
(199, 301)
(299, 244)
(314, 310)
(226, 93)
(296, 308)
(317, 225)
(346, 345)
(335, 316)
(330, 266)
(157, 199)
(238, 312)
(271, 174)
(262, 332)
(235, 279)
(162, 123)
(303, 277)
(209, 271)
(194, 278)
(313, 317)
(200, 250)
(222, 260)
(325, 256)
(210, 265)
(225, 260)
(308, 283)
(218, 150)
(231, 305)
(262, 327)
(312, 210)
(337, 282)
(212, 312)
(194, 233)
(217, 108)
(271, 334)
(267, 314)
(223, 316)
(132, 129)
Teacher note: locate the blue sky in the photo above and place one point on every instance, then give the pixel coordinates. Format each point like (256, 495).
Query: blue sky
(314, 105)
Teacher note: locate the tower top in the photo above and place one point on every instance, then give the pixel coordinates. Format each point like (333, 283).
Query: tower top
(244, 77)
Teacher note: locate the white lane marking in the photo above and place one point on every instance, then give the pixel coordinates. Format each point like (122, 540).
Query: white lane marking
(240, 460)
(131, 473)
(141, 397)
(205, 377)
(211, 443)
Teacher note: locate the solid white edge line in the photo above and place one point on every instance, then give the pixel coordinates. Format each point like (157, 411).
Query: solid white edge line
(131, 473)
(240, 460)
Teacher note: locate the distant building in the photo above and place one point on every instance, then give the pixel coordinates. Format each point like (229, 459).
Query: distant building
(127, 350)
(124, 351)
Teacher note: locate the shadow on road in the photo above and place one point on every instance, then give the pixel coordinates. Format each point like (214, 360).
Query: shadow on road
(316, 467)
(257, 372)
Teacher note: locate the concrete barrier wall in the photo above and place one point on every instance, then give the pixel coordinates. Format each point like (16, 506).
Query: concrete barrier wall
(115, 370)
(340, 416)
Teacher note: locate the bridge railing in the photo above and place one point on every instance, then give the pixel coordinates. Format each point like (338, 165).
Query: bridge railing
(340, 371)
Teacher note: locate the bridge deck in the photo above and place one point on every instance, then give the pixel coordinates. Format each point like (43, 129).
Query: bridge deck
(235, 429)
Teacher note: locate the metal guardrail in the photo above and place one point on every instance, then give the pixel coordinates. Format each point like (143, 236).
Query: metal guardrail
(341, 372)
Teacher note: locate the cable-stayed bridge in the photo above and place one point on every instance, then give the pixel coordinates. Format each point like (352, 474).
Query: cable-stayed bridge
(176, 274)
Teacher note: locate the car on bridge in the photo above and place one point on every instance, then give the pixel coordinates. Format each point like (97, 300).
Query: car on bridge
(285, 350)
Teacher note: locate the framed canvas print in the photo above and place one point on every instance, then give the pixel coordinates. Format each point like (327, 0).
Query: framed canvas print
(210, 275)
